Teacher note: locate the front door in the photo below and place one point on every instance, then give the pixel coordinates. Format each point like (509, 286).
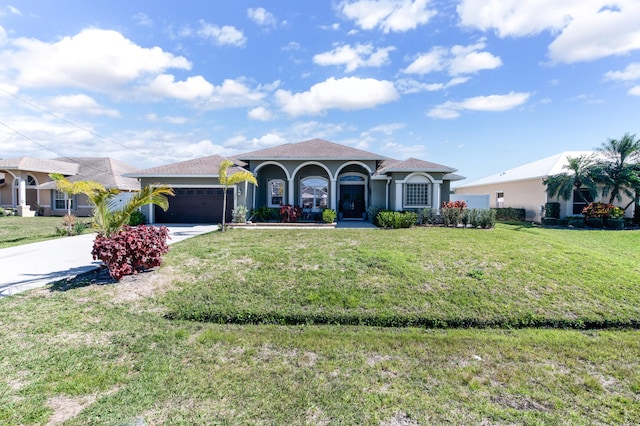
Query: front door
(352, 201)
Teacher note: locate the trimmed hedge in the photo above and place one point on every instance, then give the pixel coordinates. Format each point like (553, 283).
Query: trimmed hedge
(510, 214)
(396, 220)
(552, 209)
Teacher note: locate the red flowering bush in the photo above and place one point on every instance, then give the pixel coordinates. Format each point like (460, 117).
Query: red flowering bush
(132, 250)
(454, 205)
(602, 210)
(452, 212)
(289, 213)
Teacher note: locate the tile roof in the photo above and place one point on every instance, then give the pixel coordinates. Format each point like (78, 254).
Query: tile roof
(413, 165)
(314, 149)
(535, 170)
(104, 170)
(198, 167)
(30, 164)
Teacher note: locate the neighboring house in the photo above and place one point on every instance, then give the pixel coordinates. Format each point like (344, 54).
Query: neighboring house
(523, 187)
(314, 175)
(27, 185)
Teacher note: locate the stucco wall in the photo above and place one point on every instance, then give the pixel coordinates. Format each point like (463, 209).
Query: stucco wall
(527, 194)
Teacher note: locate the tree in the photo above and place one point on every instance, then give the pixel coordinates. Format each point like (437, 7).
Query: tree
(229, 180)
(73, 188)
(107, 220)
(619, 171)
(578, 177)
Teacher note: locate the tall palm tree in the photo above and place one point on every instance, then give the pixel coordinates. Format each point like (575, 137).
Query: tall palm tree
(579, 177)
(619, 171)
(229, 180)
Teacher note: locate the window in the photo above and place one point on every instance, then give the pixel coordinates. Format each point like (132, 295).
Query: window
(499, 199)
(60, 201)
(416, 194)
(314, 193)
(578, 201)
(275, 194)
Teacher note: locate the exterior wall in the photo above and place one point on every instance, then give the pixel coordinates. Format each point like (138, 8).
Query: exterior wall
(530, 195)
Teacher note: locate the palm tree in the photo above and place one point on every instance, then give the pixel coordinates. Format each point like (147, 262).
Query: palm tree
(619, 171)
(73, 188)
(107, 220)
(228, 181)
(579, 177)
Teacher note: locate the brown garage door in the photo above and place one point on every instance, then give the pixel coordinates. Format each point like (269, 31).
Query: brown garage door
(195, 205)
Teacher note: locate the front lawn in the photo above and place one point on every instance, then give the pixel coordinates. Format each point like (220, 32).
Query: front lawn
(17, 230)
(84, 353)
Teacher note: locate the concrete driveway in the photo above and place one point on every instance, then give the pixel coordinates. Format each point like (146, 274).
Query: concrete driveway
(38, 264)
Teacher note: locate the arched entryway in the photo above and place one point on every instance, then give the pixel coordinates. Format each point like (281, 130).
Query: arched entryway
(352, 195)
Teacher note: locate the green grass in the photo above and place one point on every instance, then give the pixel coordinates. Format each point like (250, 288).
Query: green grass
(106, 354)
(16, 230)
(511, 276)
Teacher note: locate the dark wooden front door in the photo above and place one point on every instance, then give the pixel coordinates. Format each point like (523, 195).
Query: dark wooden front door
(352, 201)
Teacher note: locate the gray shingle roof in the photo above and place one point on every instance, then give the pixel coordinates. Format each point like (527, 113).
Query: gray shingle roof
(198, 167)
(30, 164)
(104, 170)
(314, 149)
(413, 165)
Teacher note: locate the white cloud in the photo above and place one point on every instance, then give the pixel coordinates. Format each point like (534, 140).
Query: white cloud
(349, 93)
(265, 141)
(450, 109)
(630, 73)
(260, 113)
(261, 17)
(3, 36)
(193, 88)
(634, 91)
(387, 15)
(584, 30)
(456, 61)
(354, 57)
(404, 151)
(173, 119)
(98, 60)
(80, 102)
(222, 36)
(332, 27)
(143, 19)
(409, 86)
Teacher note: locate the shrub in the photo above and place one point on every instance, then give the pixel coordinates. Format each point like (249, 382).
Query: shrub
(329, 215)
(576, 221)
(239, 214)
(452, 212)
(2, 212)
(510, 213)
(595, 222)
(427, 216)
(264, 214)
(131, 250)
(396, 220)
(137, 218)
(70, 226)
(602, 210)
(487, 219)
(289, 213)
(552, 210)
(615, 224)
(372, 213)
(549, 221)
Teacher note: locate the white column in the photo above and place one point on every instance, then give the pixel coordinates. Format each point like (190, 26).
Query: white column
(22, 192)
(398, 203)
(334, 195)
(290, 197)
(436, 196)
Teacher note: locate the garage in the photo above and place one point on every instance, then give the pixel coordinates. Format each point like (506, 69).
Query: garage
(195, 205)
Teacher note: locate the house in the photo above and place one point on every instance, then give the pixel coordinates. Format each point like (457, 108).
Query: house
(314, 174)
(27, 186)
(523, 187)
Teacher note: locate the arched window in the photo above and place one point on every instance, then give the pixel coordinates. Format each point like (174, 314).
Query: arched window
(314, 192)
(417, 192)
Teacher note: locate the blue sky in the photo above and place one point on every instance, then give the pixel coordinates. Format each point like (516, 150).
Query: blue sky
(480, 86)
